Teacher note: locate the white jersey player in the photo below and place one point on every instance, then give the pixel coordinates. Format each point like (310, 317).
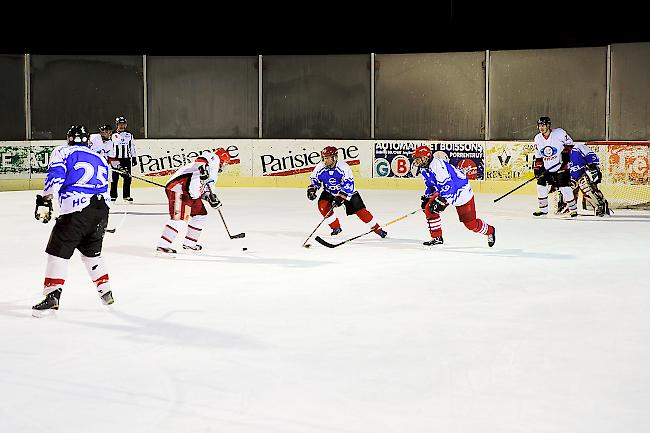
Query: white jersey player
(552, 157)
(185, 191)
(101, 143)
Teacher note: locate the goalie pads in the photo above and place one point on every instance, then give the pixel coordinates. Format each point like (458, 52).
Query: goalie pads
(593, 195)
(43, 208)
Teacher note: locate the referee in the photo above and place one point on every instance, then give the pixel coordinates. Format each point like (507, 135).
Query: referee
(123, 158)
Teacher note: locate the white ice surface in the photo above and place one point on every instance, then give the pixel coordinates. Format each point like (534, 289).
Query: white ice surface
(549, 331)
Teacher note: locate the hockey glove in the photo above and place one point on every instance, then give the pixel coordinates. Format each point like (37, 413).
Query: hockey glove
(594, 173)
(134, 161)
(311, 192)
(538, 168)
(212, 200)
(425, 200)
(338, 201)
(43, 208)
(437, 203)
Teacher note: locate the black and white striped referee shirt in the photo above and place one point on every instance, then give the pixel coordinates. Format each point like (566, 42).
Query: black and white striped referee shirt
(123, 145)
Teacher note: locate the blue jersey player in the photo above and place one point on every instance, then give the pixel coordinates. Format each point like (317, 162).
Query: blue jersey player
(338, 189)
(446, 185)
(79, 177)
(585, 176)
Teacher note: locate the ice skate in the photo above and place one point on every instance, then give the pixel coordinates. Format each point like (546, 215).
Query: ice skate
(336, 231)
(381, 232)
(165, 251)
(539, 213)
(434, 241)
(47, 306)
(492, 237)
(107, 298)
(196, 247)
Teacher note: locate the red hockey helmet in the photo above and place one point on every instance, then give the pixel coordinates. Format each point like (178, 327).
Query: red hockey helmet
(422, 155)
(223, 155)
(329, 151)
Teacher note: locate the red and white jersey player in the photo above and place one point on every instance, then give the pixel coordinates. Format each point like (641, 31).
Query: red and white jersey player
(186, 190)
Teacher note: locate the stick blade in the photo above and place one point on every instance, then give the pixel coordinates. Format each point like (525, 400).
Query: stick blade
(327, 244)
(238, 236)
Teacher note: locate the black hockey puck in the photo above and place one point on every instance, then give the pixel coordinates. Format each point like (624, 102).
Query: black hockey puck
(244, 249)
(307, 245)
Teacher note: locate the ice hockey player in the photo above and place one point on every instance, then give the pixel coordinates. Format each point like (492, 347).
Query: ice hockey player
(551, 166)
(585, 177)
(185, 191)
(102, 143)
(79, 177)
(447, 185)
(338, 189)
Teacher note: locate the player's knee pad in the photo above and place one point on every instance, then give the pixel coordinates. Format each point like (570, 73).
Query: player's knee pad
(198, 220)
(324, 207)
(590, 191)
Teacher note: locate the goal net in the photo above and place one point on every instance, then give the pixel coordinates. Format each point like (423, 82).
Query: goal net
(625, 166)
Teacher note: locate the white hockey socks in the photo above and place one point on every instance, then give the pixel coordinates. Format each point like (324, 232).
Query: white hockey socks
(194, 229)
(96, 267)
(169, 233)
(55, 273)
(542, 198)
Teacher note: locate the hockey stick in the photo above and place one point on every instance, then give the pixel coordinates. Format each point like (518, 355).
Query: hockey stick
(329, 245)
(305, 244)
(237, 236)
(522, 185)
(118, 225)
(138, 177)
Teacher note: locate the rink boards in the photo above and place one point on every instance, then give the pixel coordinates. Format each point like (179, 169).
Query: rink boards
(491, 166)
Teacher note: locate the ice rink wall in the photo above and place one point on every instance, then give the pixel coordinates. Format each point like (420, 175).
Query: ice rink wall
(478, 109)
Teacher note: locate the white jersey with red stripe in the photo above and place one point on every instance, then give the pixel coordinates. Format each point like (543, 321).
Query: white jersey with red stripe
(550, 149)
(186, 178)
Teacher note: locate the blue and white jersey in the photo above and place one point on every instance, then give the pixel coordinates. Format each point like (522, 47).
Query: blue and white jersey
(335, 180)
(450, 182)
(76, 173)
(581, 155)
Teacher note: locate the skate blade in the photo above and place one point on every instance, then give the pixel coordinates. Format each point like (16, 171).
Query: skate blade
(164, 255)
(43, 313)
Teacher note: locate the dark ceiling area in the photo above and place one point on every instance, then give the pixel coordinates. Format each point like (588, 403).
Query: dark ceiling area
(324, 28)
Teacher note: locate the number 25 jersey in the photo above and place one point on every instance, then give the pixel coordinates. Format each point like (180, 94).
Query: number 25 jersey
(76, 173)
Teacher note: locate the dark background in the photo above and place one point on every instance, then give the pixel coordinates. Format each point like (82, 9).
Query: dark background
(324, 27)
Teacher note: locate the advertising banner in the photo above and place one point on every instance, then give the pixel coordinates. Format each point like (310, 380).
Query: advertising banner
(164, 157)
(393, 158)
(624, 163)
(508, 160)
(299, 157)
(14, 160)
